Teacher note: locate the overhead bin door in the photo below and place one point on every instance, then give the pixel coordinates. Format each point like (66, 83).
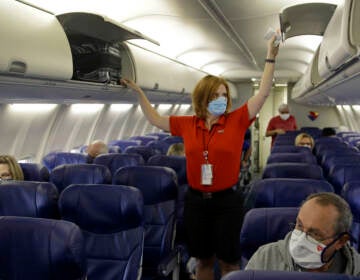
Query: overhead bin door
(337, 49)
(33, 43)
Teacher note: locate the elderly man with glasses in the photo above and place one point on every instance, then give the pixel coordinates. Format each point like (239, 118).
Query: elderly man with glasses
(318, 242)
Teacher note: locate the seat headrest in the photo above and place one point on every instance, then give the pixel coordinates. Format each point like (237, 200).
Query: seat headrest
(67, 174)
(291, 157)
(293, 170)
(35, 248)
(351, 193)
(178, 163)
(284, 275)
(34, 171)
(265, 225)
(54, 159)
(285, 192)
(28, 199)
(101, 208)
(158, 184)
(115, 161)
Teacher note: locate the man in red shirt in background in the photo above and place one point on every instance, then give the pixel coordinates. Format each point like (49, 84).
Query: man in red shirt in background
(281, 123)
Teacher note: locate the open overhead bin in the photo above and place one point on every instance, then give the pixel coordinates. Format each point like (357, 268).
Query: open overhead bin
(41, 66)
(305, 19)
(338, 61)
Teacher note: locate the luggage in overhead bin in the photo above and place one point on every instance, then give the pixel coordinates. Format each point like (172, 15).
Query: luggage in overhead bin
(96, 60)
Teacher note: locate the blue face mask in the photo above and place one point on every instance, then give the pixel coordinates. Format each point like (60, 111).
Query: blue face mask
(217, 107)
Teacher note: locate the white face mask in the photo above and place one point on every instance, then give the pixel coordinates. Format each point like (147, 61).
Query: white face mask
(306, 145)
(284, 116)
(307, 254)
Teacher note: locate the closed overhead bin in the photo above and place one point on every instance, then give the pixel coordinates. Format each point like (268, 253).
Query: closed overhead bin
(33, 43)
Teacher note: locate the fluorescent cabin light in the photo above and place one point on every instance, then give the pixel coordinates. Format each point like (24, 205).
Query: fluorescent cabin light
(31, 107)
(165, 106)
(120, 107)
(86, 108)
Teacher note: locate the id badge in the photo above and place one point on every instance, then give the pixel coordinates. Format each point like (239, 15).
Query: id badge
(206, 174)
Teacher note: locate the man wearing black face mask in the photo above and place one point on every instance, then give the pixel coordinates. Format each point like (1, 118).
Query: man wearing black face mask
(318, 243)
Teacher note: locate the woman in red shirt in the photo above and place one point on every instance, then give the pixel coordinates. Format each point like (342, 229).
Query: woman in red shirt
(213, 140)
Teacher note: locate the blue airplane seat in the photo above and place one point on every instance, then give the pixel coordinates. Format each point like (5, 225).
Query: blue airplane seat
(285, 275)
(29, 199)
(67, 174)
(283, 139)
(123, 144)
(290, 149)
(284, 192)
(34, 172)
(114, 149)
(172, 140)
(53, 159)
(115, 161)
(262, 226)
(335, 152)
(315, 132)
(293, 170)
(145, 151)
(41, 249)
(339, 159)
(144, 139)
(158, 185)
(351, 193)
(291, 157)
(111, 219)
(340, 174)
(160, 146)
(322, 147)
(178, 164)
(159, 135)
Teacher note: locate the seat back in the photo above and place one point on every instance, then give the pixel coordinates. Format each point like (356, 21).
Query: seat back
(178, 164)
(284, 192)
(343, 173)
(123, 144)
(34, 172)
(28, 199)
(159, 188)
(144, 139)
(290, 149)
(284, 275)
(67, 174)
(51, 160)
(351, 193)
(41, 249)
(293, 170)
(291, 157)
(111, 218)
(115, 161)
(264, 225)
(145, 151)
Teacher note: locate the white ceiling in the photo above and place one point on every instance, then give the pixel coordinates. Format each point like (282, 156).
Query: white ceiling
(221, 37)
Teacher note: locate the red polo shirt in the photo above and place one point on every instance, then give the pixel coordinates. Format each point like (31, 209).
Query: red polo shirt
(223, 142)
(277, 122)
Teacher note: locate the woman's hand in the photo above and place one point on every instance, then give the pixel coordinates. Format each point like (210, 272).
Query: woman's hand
(130, 84)
(272, 49)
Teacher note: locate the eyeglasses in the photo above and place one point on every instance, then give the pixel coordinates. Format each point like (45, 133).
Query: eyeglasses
(312, 237)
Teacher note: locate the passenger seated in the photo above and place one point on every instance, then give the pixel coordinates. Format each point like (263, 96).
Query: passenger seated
(10, 169)
(318, 243)
(176, 149)
(96, 148)
(328, 132)
(304, 140)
